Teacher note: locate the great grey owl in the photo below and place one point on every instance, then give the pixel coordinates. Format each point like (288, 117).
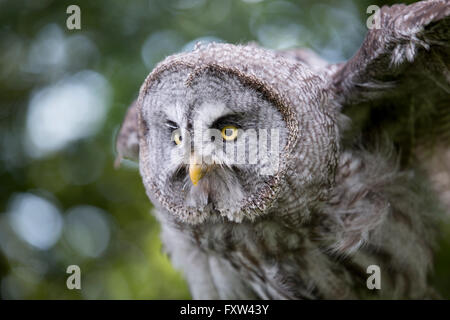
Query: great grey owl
(276, 175)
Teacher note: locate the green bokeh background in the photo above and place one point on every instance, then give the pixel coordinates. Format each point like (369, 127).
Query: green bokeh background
(66, 204)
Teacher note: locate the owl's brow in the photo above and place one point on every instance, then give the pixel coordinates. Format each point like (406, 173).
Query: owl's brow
(234, 119)
(171, 124)
(164, 119)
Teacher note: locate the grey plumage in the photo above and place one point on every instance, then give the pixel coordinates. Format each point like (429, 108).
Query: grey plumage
(349, 190)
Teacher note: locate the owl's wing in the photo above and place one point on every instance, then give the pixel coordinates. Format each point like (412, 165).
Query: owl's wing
(398, 83)
(409, 42)
(127, 141)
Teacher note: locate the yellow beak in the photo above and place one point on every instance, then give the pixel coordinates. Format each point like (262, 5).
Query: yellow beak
(196, 171)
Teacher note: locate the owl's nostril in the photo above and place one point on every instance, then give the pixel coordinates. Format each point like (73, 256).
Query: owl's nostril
(213, 138)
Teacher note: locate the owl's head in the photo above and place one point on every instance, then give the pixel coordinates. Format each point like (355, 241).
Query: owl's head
(221, 128)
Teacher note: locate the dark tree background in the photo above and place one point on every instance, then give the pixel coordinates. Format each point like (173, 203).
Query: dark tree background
(63, 94)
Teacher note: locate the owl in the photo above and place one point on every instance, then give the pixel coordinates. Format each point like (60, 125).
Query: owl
(277, 175)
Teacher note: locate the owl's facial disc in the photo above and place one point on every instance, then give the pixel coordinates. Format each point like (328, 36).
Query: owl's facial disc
(213, 145)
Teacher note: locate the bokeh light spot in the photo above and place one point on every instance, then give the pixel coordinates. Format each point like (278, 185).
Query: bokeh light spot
(73, 108)
(87, 230)
(35, 220)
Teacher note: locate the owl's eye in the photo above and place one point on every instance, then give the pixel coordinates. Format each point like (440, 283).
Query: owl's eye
(229, 133)
(177, 138)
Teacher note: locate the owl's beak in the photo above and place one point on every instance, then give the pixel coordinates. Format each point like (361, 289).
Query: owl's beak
(196, 170)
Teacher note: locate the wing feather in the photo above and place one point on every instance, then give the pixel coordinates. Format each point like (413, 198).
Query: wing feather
(398, 82)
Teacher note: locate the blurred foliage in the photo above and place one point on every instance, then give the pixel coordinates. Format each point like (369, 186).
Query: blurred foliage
(63, 94)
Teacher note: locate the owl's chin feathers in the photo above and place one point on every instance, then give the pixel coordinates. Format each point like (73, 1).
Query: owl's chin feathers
(218, 193)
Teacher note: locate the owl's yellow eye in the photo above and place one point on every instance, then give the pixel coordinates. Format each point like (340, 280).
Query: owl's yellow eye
(177, 137)
(229, 133)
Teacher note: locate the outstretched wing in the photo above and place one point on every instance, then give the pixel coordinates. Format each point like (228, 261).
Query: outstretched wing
(409, 41)
(398, 83)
